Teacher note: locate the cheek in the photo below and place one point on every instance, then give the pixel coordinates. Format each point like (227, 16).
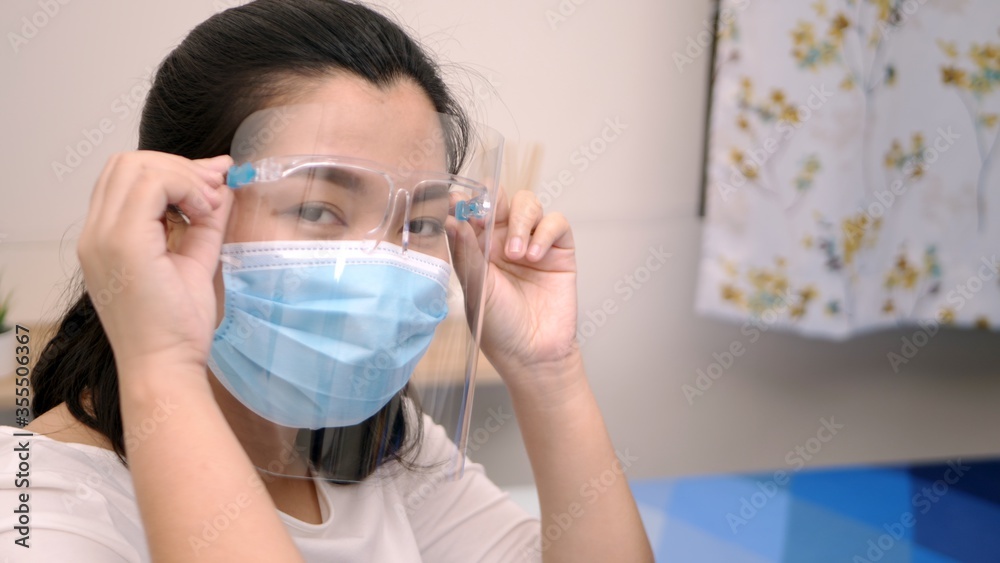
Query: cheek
(239, 227)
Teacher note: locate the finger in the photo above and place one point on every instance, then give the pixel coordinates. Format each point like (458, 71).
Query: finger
(552, 231)
(178, 179)
(97, 196)
(194, 199)
(212, 170)
(148, 198)
(219, 165)
(525, 213)
(202, 238)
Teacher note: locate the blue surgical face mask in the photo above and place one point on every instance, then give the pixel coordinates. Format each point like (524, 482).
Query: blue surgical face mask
(321, 334)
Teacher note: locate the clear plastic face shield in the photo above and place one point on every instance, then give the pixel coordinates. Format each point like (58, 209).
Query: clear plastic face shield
(346, 301)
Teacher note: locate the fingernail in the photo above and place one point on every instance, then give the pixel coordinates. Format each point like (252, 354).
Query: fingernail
(515, 245)
(534, 251)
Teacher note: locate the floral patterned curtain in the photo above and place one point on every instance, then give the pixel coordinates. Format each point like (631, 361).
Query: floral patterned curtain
(852, 175)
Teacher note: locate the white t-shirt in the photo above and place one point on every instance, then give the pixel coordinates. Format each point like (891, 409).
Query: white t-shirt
(82, 508)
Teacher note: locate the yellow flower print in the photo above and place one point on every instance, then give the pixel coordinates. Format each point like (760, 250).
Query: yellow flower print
(838, 26)
(790, 114)
(769, 290)
(910, 162)
(803, 34)
(808, 293)
(856, 234)
(733, 295)
(949, 48)
(952, 75)
(884, 9)
(983, 78)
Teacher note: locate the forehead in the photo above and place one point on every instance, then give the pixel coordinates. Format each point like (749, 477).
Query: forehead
(348, 116)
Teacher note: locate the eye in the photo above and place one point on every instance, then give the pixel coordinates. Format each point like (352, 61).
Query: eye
(425, 227)
(317, 213)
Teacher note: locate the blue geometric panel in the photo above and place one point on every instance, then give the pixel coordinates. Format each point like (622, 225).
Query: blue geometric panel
(923, 555)
(749, 512)
(820, 535)
(957, 524)
(982, 482)
(872, 496)
(691, 544)
(944, 512)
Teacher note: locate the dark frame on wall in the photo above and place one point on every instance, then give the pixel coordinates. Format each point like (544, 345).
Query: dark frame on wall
(703, 192)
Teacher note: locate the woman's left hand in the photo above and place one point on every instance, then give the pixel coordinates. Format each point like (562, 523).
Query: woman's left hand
(530, 313)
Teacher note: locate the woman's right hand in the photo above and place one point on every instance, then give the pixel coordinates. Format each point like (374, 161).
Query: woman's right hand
(156, 305)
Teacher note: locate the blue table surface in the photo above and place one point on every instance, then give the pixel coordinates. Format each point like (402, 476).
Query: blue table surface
(943, 512)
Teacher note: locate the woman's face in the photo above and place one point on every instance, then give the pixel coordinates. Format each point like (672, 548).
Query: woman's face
(345, 116)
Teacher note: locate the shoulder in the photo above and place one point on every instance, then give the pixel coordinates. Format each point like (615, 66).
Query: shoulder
(436, 468)
(455, 511)
(74, 492)
(434, 448)
(48, 456)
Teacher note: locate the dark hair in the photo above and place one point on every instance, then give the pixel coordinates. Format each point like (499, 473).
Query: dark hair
(235, 63)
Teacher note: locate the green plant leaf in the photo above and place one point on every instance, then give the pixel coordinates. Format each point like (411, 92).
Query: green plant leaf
(4, 309)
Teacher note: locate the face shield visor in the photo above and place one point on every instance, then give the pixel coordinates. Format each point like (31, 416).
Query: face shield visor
(347, 307)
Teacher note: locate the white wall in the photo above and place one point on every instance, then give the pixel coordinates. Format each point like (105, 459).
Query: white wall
(558, 85)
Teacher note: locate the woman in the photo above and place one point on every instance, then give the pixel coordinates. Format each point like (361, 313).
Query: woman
(136, 373)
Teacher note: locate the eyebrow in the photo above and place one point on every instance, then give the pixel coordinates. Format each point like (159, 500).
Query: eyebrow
(344, 177)
(434, 191)
(355, 181)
